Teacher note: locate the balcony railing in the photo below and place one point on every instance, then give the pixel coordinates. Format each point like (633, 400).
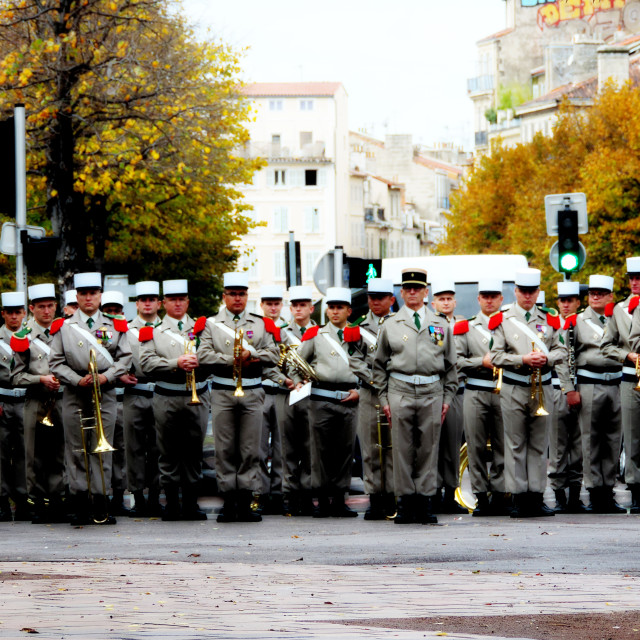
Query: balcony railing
(314, 150)
(480, 83)
(481, 138)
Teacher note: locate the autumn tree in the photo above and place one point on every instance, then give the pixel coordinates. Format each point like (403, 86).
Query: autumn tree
(500, 207)
(132, 125)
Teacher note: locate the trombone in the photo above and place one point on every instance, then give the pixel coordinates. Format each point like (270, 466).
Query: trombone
(383, 445)
(536, 387)
(191, 376)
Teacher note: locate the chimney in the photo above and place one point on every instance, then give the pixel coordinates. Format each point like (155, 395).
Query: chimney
(613, 64)
(583, 60)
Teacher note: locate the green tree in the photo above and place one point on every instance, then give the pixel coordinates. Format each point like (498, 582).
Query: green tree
(132, 126)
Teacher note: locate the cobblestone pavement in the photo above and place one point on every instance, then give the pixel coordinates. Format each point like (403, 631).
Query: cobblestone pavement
(134, 600)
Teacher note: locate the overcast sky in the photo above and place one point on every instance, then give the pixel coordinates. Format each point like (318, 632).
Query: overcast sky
(404, 64)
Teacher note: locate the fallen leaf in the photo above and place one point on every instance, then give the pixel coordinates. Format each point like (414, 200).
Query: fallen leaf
(442, 633)
(476, 571)
(29, 630)
(328, 602)
(295, 536)
(193, 555)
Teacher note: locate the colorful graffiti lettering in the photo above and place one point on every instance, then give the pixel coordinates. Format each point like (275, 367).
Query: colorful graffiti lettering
(553, 13)
(535, 3)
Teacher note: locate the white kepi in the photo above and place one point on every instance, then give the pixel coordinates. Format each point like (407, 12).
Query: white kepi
(147, 288)
(235, 280)
(490, 285)
(271, 292)
(175, 287)
(71, 296)
(89, 280)
(568, 288)
(112, 297)
(528, 278)
(601, 282)
(42, 292)
(380, 285)
(633, 264)
(338, 294)
(442, 286)
(12, 299)
(300, 292)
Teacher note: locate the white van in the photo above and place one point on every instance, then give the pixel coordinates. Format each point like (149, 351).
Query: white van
(465, 271)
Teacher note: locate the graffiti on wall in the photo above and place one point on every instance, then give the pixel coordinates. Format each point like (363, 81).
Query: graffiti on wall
(552, 12)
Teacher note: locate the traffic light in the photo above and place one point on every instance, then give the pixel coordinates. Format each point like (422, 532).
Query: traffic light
(568, 241)
(360, 270)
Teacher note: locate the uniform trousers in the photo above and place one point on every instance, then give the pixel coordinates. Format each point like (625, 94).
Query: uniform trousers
(450, 443)
(140, 440)
(630, 405)
(75, 400)
(601, 428)
(13, 467)
(370, 446)
(295, 443)
(482, 424)
(180, 430)
(525, 438)
(565, 445)
(415, 431)
(270, 444)
(119, 460)
(333, 435)
(44, 448)
(237, 428)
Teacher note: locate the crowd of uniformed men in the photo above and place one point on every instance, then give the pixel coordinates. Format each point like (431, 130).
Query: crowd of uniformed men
(535, 393)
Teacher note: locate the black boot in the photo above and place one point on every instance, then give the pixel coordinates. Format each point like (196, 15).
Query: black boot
(273, 504)
(538, 508)
(154, 508)
(245, 512)
(172, 510)
(339, 508)
(190, 508)
(437, 502)
(100, 510)
(521, 507)
(323, 508)
(306, 506)
(500, 505)
(449, 504)
(423, 513)
(635, 498)
(389, 505)
(117, 503)
(79, 509)
(406, 510)
(575, 504)
(375, 510)
(5, 510)
(228, 513)
(483, 507)
(610, 503)
(561, 500)
(139, 509)
(23, 512)
(291, 504)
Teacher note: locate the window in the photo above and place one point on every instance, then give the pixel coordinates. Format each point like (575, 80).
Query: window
(281, 220)
(368, 214)
(310, 259)
(277, 178)
(279, 272)
(383, 248)
(306, 105)
(306, 137)
(275, 105)
(275, 138)
(311, 220)
(310, 177)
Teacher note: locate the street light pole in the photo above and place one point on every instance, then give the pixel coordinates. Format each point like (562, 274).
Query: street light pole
(21, 196)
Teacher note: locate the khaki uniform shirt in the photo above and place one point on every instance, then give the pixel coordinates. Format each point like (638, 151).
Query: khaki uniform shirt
(471, 348)
(588, 333)
(617, 340)
(134, 334)
(404, 348)
(34, 362)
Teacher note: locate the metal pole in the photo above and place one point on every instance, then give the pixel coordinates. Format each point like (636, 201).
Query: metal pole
(338, 259)
(21, 196)
(293, 275)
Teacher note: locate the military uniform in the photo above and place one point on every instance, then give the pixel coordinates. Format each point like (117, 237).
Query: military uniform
(69, 362)
(140, 431)
(237, 420)
(598, 381)
(180, 426)
(525, 446)
(414, 372)
(44, 445)
(338, 360)
(482, 414)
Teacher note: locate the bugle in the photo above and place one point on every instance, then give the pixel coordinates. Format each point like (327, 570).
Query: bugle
(537, 391)
(237, 362)
(48, 406)
(191, 376)
(497, 373)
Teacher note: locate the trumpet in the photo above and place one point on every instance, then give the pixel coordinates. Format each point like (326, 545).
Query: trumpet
(383, 445)
(190, 382)
(49, 406)
(536, 387)
(497, 373)
(237, 362)
(637, 387)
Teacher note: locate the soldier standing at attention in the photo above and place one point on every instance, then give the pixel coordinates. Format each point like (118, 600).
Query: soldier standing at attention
(565, 441)
(527, 345)
(618, 344)
(88, 330)
(70, 303)
(414, 372)
(597, 394)
(237, 417)
(139, 422)
(336, 354)
(271, 500)
(444, 304)
(380, 299)
(13, 474)
(296, 448)
(44, 444)
(169, 355)
(482, 410)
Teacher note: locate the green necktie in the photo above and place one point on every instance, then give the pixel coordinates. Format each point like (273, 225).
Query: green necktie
(527, 316)
(340, 334)
(148, 324)
(180, 325)
(602, 319)
(416, 319)
(90, 322)
(236, 318)
(46, 332)
(302, 330)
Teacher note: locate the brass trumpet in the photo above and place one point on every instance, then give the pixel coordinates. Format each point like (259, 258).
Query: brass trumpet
(49, 406)
(497, 373)
(237, 362)
(637, 387)
(536, 387)
(191, 376)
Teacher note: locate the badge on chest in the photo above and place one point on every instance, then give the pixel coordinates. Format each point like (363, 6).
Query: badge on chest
(437, 335)
(104, 336)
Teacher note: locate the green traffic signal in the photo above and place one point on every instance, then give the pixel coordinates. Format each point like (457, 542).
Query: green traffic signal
(569, 262)
(568, 241)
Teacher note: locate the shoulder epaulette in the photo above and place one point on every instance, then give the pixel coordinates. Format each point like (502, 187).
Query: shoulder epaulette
(461, 327)
(270, 327)
(549, 310)
(311, 333)
(200, 324)
(553, 319)
(359, 321)
(389, 316)
(55, 326)
(351, 334)
(145, 334)
(633, 303)
(19, 341)
(608, 310)
(570, 321)
(255, 315)
(495, 320)
(120, 324)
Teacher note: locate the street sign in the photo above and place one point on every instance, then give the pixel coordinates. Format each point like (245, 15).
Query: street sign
(324, 272)
(555, 202)
(8, 237)
(554, 257)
